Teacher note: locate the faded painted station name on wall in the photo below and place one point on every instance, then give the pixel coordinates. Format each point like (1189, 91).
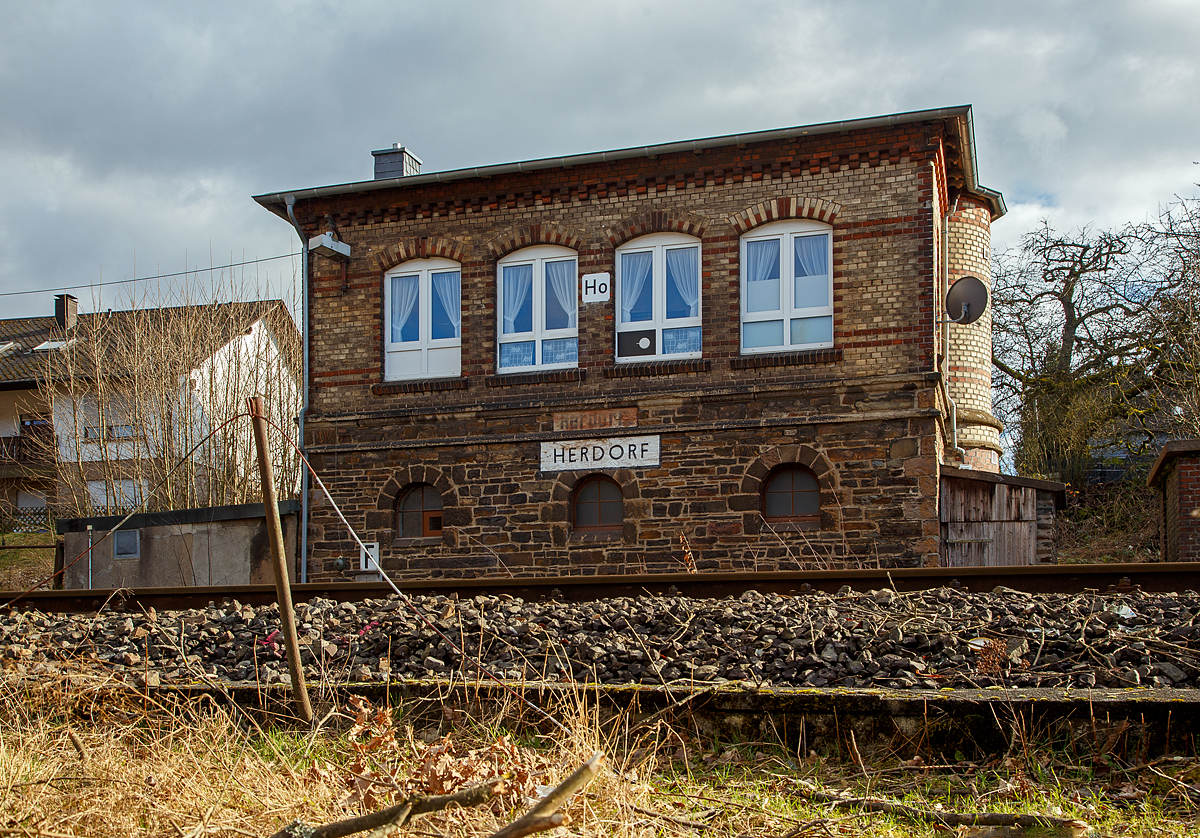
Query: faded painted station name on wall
(617, 452)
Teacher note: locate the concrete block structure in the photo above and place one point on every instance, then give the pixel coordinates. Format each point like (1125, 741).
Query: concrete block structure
(216, 545)
(1175, 477)
(724, 353)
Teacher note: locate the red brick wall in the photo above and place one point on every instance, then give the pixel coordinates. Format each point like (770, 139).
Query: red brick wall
(1183, 495)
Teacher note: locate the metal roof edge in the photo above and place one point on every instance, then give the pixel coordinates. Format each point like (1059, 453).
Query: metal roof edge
(276, 201)
(1170, 451)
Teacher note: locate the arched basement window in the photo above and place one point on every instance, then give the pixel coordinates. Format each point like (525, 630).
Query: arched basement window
(419, 512)
(598, 504)
(791, 493)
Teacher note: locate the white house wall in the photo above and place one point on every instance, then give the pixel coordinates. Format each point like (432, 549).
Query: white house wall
(14, 404)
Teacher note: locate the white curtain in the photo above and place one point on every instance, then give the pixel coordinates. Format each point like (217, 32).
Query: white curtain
(560, 281)
(812, 260)
(518, 283)
(635, 270)
(762, 275)
(448, 287)
(404, 297)
(683, 272)
(812, 255)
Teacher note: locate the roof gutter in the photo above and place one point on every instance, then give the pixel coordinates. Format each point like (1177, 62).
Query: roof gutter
(960, 114)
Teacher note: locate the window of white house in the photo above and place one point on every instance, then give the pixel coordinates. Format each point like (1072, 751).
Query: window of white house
(120, 494)
(787, 287)
(538, 291)
(423, 320)
(658, 298)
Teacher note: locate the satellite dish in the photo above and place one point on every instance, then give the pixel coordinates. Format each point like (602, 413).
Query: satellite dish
(966, 300)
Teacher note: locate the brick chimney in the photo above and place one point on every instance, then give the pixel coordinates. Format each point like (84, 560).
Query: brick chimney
(66, 311)
(396, 161)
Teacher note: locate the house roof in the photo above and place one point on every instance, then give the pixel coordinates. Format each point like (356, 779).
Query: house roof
(24, 366)
(958, 118)
(1058, 490)
(1169, 452)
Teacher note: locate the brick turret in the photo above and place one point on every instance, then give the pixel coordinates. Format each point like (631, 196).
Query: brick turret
(971, 346)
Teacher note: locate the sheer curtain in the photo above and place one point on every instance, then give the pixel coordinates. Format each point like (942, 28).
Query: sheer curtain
(518, 283)
(812, 260)
(683, 272)
(404, 298)
(635, 270)
(560, 281)
(448, 287)
(762, 275)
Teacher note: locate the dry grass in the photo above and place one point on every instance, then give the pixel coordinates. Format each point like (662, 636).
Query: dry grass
(85, 755)
(21, 566)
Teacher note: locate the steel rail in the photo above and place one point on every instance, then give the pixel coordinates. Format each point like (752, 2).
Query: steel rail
(1076, 578)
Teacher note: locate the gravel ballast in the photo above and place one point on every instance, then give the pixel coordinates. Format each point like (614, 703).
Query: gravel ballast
(878, 639)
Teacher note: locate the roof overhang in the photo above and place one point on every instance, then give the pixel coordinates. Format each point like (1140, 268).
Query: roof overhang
(1058, 490)
(1169, 452)
(958, 118)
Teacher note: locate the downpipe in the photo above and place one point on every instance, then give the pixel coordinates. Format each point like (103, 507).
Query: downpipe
(945, 376)
(304, 328)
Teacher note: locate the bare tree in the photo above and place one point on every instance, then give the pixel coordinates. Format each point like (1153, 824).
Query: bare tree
(1164, 391)
(1094, 340)
(143, 401)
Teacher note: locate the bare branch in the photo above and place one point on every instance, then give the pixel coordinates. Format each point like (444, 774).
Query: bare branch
(552, 802)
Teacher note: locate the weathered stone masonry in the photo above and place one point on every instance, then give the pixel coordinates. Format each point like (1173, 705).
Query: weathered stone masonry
(865, 416)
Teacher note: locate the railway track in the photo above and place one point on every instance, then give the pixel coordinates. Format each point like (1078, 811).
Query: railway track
(1175, 576)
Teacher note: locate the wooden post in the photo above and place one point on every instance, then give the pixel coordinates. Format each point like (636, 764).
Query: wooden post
(283, 589)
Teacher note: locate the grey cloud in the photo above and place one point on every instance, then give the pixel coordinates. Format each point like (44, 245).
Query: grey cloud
(144, 127)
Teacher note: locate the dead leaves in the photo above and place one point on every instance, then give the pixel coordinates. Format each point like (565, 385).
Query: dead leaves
(385, 767)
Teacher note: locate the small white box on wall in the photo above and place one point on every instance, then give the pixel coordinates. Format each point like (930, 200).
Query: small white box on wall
(368, 559)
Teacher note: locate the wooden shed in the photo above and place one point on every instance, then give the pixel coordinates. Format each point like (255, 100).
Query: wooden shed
(988, 520)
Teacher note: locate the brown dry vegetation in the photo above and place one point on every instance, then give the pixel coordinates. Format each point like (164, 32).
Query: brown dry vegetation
(22, 566)
(1109, 522)
(86, 755)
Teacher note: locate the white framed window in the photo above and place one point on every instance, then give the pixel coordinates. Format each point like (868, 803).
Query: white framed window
(537, 291)
(658, 298)
(787, 287)
(422, 330)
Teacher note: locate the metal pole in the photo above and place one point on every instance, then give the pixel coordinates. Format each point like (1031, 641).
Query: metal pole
(283, 589)
(304, 333)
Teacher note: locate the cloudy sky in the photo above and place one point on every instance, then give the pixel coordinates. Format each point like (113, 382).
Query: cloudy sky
(132, 134)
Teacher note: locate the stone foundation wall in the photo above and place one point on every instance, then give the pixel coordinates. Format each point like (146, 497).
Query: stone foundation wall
(502, 514)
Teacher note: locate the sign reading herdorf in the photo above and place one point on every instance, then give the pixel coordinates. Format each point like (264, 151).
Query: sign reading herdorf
(618, 452)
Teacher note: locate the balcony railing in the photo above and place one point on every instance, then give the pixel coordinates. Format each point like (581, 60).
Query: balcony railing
(34, 446)
(29, 519)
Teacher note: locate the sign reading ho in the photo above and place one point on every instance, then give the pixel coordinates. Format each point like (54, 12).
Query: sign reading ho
(596, 287)
(618, 452)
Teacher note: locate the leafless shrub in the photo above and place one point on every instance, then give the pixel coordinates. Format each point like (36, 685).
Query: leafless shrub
(140, 391)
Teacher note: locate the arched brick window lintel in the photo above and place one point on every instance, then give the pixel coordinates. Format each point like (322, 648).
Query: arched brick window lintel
(531, 235)
(566, 481)
(782, 209)
(426, 247)
(407, 476)
(658, 221)
(802, 455)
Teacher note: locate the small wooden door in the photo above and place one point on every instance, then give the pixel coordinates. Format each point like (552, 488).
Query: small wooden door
(987, 524)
